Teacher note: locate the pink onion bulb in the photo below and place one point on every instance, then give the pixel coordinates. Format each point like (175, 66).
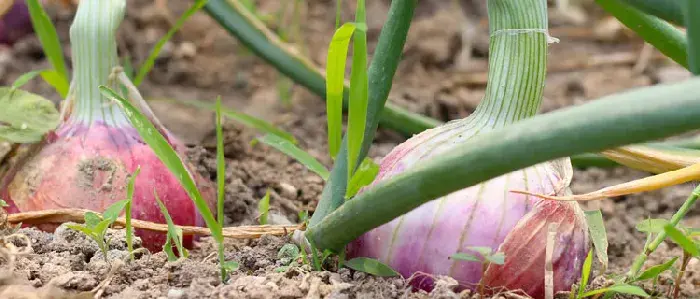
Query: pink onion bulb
(421, 242)
(86, 162)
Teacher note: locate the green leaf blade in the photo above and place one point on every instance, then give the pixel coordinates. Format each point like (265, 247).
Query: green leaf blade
(46, 32)
(112, 212)
(654, 271)
(293, 151)
(359, 91)
(364, 175)
(692, 24)
(461, 256)
(596, 228)
(167, 155)
(585, 273)
(264, 208)
(24, 78)
(371, 266)
(335, 85)
(682, 240)
(651, 225)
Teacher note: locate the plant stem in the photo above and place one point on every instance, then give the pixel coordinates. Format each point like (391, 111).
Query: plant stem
(692, 24)
(380, 74)
(659, 33)
(636, 116)
(253, 34)
(681, 273)
(94, 49)
(675, 219)
(669, 10)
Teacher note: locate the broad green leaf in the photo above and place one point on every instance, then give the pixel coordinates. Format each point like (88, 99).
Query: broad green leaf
(92, 219)
(683, 241)
(289, 251)
(101, 228)
(364, 176)
(231, 266)
(619, 288)
(25, 117)
(112, 212)
(264, 207)
(24, 78)
(335, 84)
(598, 235)
(652, 225)
(654, 271)
(88, 232)
(150, 61)
(371, 266)
(54, 78)
(293, 151)
(498, 258)
(46, 32)
(167, 155)
(461, 256)
(585, 273)
(359, 94)
(244, 119)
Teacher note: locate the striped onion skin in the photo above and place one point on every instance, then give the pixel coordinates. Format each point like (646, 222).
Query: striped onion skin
(419, 244)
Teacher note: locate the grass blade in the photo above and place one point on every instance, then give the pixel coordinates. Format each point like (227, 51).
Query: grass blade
(112, 212)
(264, 208)
(54, 78)
(636, 116)
(619, 288)
(585, 274)
(127, 212)
(293, 151)
(220, 165)
(174, 233)
(244, 119)
(654, 271)
(150, 61)
(335, 84)
(167, 155)
(46, 32)
(669, 10)
(24, 78)
(652, 225)
(692, 25)
(364, 176)
(357, 113)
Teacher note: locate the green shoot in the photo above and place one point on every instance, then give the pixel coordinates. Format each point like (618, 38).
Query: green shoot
(596, 227)
(264, 208)
(293, 151)
(220, 184)
(95, 226)
(585, 274)
(244, 119)
(174, 234)
(683, 240)
(168, 156)
(364, 176)
(338, 9)
(692, 24)
(46, 32)
(335, 84)
(654, 271)
(150, 61)
(371, 266)
(359, 94)
(289, 255)
(53, 78)
(127, 212)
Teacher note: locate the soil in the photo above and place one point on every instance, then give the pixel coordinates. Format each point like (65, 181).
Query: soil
(203, 61)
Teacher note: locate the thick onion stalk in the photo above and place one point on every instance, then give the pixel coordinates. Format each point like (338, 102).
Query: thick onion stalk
(86, 162)
(420, 243)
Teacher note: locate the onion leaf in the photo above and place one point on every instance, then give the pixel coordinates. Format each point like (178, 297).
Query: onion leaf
(596, 227)
(335, 84)
(692, 24)
(46, 32)
(357, 112)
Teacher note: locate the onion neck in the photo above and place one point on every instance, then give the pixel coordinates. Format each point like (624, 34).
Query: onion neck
(517, 64)
(94, 50)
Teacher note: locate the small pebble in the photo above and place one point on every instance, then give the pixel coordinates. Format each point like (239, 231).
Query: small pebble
(176, 294)
(186, 50)
(288, 191)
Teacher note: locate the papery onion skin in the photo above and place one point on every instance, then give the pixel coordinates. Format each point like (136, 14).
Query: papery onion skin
(420, 243)
(87, 167)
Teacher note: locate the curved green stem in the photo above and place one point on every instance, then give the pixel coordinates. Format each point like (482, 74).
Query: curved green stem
(669, 10)
(637, 116)
(657, 32)
(233, 16)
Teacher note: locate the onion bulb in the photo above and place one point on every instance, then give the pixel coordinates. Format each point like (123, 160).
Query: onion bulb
(420, 244)
(86, 162)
